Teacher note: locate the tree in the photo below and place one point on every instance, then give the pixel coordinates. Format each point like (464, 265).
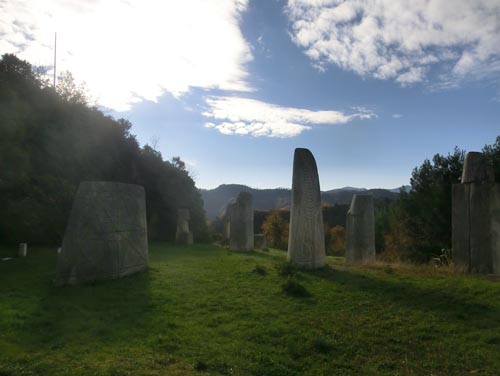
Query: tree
(275, 230)
(51, 140)
(493, 153)
(69, 91)
(419, 224)
(337, 243)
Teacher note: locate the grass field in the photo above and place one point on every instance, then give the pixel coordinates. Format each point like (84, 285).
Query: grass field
(204, 310)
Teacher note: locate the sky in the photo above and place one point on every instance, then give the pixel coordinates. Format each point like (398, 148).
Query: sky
(371, 87)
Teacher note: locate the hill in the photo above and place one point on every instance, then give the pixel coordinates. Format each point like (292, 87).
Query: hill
(215, 200)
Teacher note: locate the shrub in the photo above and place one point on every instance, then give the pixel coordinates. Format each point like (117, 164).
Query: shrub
(294, 288)
(286, 269)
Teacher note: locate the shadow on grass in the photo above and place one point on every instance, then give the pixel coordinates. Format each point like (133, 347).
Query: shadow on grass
(451, 304)
(103, 312)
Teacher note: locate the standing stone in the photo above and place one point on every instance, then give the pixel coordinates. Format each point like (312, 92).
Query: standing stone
(226, 221)
(183, 235)
(241, 223)
(23, 249)
(476, 169)
(259, 241)
(476, 217)
(106, 235)
(360, 230)
(306, 242)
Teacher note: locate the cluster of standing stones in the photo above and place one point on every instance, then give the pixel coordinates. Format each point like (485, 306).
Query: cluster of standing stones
(106, 235)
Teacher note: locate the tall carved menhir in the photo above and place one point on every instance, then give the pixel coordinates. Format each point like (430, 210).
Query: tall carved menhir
(183, 235)
(476, 217)
(241, 223)
(360, 230)
(106, 235)
(306, 242)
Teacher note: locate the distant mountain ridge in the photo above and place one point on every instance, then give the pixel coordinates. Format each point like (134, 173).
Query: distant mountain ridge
(215, 200)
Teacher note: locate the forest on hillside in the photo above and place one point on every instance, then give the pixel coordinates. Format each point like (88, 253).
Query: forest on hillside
(51, 139)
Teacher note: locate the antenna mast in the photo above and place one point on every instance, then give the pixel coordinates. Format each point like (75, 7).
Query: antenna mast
(55, 57)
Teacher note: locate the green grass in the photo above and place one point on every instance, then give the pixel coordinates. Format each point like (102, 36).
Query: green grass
(204, 310)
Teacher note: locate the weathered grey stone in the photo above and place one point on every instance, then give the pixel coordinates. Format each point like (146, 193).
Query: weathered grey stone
(259, 241)
(476, 218)
(226, 220)
(106, 235)
(59, 250)
(306, 242)
(360, 230)
(183, 235)
(477, 169)
(460, 227)
(23, 249)
(241, 223)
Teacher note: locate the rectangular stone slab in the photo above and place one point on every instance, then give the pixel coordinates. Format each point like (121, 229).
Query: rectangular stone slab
(481, 260)
(106, 235)
(460, 225)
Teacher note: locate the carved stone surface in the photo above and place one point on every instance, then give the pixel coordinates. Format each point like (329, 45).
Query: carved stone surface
(476, 218)
(106, 235)
(306, 242)
(241, 223)
(259, 241)
(23, 249)
(477, 169)
(227, 221)
(183, 235)
(360, 230)
(476, 227)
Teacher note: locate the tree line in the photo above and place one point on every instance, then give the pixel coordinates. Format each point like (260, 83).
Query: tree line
(51, 139)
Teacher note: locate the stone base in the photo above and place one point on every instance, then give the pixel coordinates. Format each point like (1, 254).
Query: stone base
(23, 249)
(184, 238)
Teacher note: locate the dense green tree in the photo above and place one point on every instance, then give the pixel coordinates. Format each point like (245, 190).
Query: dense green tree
(275, 229)
(418, 225)
(51, 140)
(493, 153)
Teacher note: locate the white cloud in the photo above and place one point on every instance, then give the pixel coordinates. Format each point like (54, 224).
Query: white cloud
(401, 40)
(243, 116)
(130, 50)
(397, 116)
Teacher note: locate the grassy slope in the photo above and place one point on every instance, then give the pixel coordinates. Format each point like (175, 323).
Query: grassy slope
(203, 309)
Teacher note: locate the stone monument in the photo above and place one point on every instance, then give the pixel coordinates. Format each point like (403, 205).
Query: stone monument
(306, 242)
(106, 235)
(226, 221)
(241, 223)
(476, 217)
(183, 235)
(360, 230)
(23, 249)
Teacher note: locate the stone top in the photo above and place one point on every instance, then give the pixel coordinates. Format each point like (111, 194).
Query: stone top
(305, 184)
(359, 203)
(244, 198)
(183, 214)
(477, 169)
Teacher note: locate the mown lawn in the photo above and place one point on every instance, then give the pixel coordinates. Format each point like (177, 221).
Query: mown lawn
(204, 310)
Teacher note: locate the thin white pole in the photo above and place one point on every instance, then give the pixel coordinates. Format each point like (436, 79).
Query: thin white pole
(55, 57)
